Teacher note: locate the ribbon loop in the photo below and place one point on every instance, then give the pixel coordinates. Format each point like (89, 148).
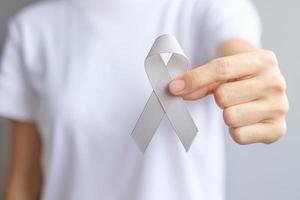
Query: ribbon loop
(160, 101)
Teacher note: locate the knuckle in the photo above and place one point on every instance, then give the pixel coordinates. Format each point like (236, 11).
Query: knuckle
(283, 129)
(282, 107)
(271, 139)
(278, 84)
(238, 136)
(221, 97)
(268, 58)
(230, 117)
(192, 78)
(278, 132)
(222, 68)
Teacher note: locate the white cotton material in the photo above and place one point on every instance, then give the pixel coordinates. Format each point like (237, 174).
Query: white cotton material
(103, 5)
(78, 73)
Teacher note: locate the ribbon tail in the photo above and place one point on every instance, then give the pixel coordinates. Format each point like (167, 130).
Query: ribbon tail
(148, 123)
(181, 120)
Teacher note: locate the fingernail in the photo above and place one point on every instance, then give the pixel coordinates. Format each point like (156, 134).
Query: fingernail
(177, 86)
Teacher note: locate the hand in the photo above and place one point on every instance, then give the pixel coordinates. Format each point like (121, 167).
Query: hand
(248, 87)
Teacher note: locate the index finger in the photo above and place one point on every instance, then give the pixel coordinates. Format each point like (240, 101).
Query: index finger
(222, 70)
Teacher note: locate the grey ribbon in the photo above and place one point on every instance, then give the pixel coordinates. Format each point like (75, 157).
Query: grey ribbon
(161, 102)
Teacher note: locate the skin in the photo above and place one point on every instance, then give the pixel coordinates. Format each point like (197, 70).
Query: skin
(247, 85)
(245, 82)
(25, 178)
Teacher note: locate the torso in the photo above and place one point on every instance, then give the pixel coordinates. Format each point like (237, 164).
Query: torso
(91, 87)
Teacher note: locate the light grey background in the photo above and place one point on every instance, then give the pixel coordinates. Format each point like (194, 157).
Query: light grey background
(256, 172)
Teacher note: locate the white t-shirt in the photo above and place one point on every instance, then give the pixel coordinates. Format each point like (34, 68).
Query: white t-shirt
(78, 73)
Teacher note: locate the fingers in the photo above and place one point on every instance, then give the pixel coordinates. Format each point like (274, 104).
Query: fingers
(222, 70)
(249, 113)
(197, 94)
(202, 92)
(233, 93)
(259, 133)
(257, 121)
(256, 111)
(248, 87)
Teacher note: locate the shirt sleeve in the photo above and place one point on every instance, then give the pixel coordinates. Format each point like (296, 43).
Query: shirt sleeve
(16, 95)
(231, 19)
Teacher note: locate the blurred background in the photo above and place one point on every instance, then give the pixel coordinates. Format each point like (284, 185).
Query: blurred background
(260, 172)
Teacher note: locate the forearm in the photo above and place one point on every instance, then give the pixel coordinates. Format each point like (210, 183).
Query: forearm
(16, 192)
(29, 190)
(25, 178)
(24, 186)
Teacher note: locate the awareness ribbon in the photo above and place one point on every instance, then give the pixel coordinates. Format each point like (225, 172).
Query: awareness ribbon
(161, 102)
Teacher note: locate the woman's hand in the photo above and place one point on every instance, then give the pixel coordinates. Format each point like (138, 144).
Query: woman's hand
(250, 89)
